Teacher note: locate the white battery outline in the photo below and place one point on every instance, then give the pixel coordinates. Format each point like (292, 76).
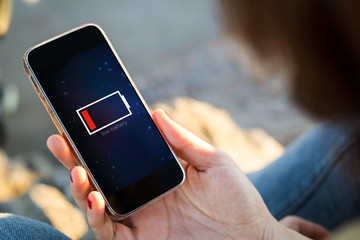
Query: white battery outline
(107, 125)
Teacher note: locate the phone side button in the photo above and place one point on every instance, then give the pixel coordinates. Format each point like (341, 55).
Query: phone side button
(42, 98)
(46, 105)
(33, 80)
(37, 89)
(48, 109)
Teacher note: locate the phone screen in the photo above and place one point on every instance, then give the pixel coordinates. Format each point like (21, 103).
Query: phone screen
(105, 118)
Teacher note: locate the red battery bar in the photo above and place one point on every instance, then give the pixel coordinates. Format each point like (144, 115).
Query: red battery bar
(104, 112)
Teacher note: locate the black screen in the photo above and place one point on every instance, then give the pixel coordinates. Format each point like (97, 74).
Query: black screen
(102, 113)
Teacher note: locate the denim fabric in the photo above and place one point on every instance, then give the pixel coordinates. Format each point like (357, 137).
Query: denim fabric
(14, 227)
(314, 178)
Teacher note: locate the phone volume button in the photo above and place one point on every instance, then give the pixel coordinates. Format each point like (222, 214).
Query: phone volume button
(47, 106)
(41, 96)
(37, 90)
(48, 109)
(33, 81)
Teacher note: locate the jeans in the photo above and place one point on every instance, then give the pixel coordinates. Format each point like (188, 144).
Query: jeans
(14, 227)
(318, 176)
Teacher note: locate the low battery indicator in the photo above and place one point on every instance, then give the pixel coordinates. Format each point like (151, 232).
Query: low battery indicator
(104, 112)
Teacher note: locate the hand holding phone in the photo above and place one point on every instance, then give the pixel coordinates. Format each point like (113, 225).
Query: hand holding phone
(98, 110)
(216, 201)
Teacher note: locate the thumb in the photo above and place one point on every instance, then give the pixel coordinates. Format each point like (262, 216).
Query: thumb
(185, 144)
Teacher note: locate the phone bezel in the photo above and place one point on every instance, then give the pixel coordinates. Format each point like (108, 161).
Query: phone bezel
(61, 128)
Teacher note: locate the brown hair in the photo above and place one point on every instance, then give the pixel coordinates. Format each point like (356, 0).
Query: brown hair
(319, 39)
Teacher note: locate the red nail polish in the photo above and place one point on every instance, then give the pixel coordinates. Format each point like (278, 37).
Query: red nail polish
(89, 203)
(70, 174)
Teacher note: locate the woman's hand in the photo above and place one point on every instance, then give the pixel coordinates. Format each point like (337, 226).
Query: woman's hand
(217, 201)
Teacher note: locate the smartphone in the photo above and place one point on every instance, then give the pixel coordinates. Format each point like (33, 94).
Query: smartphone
(96, 107)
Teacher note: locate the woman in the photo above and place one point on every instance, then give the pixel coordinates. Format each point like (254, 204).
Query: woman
(317, 42)
(318, 45)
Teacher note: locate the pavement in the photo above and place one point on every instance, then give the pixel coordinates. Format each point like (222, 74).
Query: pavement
(145, 34)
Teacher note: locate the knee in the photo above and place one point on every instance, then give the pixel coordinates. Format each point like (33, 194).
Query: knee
(17, 227)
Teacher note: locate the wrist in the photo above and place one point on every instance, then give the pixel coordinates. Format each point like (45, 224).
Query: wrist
(265, 227)
(271, 229)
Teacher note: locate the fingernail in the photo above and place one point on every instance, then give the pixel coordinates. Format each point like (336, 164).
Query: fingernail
(70, 174)
(89, 203)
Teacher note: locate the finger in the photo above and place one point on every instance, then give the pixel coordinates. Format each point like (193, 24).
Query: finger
(186, 145)
(100, 223)
(306, 228)
(80, 186)
(97, 219)
(60, 149)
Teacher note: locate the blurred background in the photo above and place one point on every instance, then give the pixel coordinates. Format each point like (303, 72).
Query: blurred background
(180, 59)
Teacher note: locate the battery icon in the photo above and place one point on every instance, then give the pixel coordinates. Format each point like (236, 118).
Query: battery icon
(104, 112)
